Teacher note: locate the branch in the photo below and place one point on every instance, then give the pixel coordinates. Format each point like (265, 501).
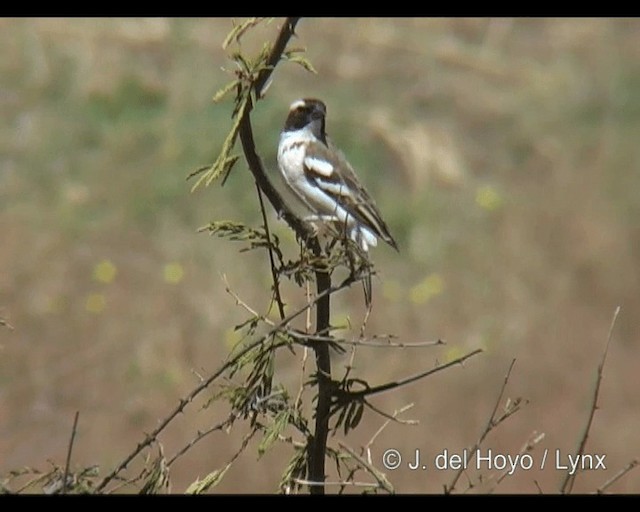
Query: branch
(306, 338)
(491, 424)
(377, 474)
(286, 32)
(150, 438)
(351, 483)
(531, 443)
(201, 434)
(408, 380)
(394, 417)
(318, 443)
(248, 144)
(68, 462)
(569, 480)
(617, 476)
(272, 264)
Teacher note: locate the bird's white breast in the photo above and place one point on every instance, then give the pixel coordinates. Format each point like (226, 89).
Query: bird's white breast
(291, 154)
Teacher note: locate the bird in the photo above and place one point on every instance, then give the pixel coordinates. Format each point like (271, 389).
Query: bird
(318, 174)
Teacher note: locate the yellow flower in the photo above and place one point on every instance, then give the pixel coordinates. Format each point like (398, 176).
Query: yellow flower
(173, 273)
(105, 272)
(488, 198)
(429, 287)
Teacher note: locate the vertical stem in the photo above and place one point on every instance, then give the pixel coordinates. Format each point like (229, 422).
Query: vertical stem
(318, 444)
(68, 462)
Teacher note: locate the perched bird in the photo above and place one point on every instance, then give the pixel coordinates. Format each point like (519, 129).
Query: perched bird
(321, 177)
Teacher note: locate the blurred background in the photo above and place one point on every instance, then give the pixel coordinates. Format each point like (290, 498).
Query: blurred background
(503, 154)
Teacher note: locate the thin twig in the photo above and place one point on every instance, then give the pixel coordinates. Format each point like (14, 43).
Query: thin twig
(366, 449)
(240, 302)
(617, 476)
(390, 417)
(569, 479)
(491, 424)
(391, 344)
(367, 314)
(528, 446)
(298, 400)
(367, 446)
(199, 436)
(311, 483)
(150, 438)
(363, 342)
(376, 473)
(124, 482)
(408, 380)
(272, 264)
(68, 462)
(35, 480)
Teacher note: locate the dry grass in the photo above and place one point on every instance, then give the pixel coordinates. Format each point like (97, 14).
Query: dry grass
(503, 152)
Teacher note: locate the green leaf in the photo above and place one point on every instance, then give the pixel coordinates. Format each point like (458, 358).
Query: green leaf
(217, 97)
(158, 476)
(238, 31)
(244, 64)
(303, 61)
(225, 161)
(211, 480)
(295, 469)
(280, 422)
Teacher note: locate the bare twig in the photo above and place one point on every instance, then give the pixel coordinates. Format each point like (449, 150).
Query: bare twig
(391, 344)
(491, 424)
(363, 342)
(376, 473)
(528, 446)
(6, 324)
(199, 436)
(408, 380)
(617, 476)
(272, 264)
(367, 447)
(538, 487)
(390, 417)
(351, 483)
(204, 384)
(35, 480)
(240, 302)
(569, 479)
(68, 461)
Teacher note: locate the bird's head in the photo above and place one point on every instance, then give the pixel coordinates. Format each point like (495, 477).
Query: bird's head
(307, 113)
